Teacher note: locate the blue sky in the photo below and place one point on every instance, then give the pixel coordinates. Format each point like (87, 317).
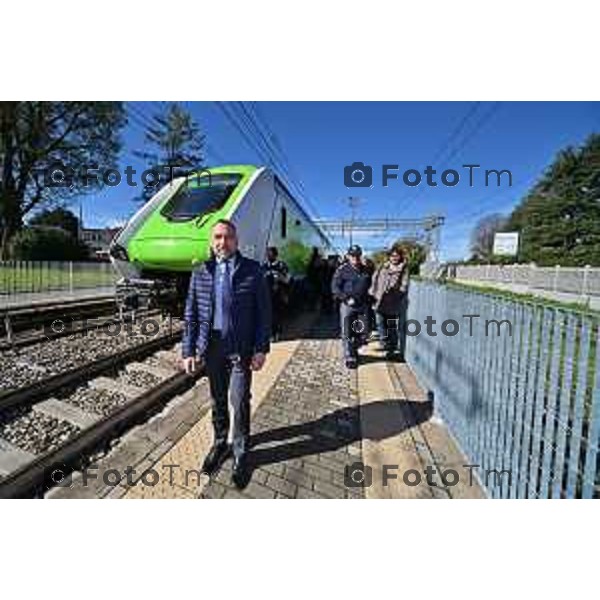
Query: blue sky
(321, 138)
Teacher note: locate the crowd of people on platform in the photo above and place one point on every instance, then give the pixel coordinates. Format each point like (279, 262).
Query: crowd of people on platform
(371, 301)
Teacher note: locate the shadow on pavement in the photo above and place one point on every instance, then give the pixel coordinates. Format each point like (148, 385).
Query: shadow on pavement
(380, 420)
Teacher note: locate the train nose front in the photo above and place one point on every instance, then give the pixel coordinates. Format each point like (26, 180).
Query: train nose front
(178, 254)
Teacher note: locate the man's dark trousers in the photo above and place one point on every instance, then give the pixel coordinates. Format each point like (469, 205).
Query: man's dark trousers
(355, 329)
(227, 373)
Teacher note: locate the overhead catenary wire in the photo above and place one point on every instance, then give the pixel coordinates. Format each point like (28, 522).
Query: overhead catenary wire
(454, 133)
(446, 145)
(250, 131)
(485, 205)
(469, 136)
(273, 141)
(262, 134)
(289, 165)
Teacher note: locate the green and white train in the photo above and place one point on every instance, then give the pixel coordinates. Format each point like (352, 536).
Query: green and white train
(163, 241)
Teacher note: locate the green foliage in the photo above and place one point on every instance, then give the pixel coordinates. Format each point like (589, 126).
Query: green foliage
(482, 237)
(559, 219)
(47, 244)
(36, 138)
(416, 253)
(57, 217)
(173, 146)
(296, 255)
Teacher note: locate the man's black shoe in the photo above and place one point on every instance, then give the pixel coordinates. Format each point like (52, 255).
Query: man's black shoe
(352, 363)
(240, 475)
(215, 457)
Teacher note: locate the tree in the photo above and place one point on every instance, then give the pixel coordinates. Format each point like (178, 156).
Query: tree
(174, 146)
(415, 252)
(559, 219)
(482, 237)
(47, 243)
(57, 217)
(45, 150)
(296, 255)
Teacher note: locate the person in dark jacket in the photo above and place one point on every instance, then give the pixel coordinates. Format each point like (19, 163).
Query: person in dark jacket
(277, 274)
(314, 279)
(350, 285)
(228, 328)
(327, 304)
(390, 291)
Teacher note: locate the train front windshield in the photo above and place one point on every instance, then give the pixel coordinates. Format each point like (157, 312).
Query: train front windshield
(200, 196)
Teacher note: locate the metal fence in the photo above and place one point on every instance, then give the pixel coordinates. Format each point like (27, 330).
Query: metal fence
(582, 281)
(433, 270)
(526, 406)
(45, 276)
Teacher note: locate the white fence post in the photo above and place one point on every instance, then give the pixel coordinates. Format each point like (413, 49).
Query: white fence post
(530, 278)
(556, 274)
(584, 284)
(71, 276)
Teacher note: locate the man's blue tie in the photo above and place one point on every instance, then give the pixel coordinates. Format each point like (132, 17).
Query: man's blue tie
(226, 300)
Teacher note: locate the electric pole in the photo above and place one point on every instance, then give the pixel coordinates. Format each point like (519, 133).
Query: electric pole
(353, 203)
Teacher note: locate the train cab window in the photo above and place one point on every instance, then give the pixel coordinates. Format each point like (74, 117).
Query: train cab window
(200, 197)
(283, 222)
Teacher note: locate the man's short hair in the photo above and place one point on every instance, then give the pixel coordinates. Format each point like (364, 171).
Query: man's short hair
(273, 249)
(227, 223)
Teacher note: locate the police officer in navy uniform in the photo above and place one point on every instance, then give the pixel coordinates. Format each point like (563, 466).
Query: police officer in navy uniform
(350, 285)
(227, 328)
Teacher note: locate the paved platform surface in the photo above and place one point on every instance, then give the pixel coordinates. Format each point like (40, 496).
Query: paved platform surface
(317, 430)
(306, 430)
(315, 422)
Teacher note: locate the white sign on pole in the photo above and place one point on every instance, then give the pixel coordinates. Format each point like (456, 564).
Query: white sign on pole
(506, 244)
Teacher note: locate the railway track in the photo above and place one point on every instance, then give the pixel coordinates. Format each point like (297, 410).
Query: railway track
(39, 389)
(41, 359)
(14, 319)
(64, 326)
(62, 420)
(28, 325)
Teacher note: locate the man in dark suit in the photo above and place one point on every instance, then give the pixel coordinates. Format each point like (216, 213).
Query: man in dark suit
(228, 328)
